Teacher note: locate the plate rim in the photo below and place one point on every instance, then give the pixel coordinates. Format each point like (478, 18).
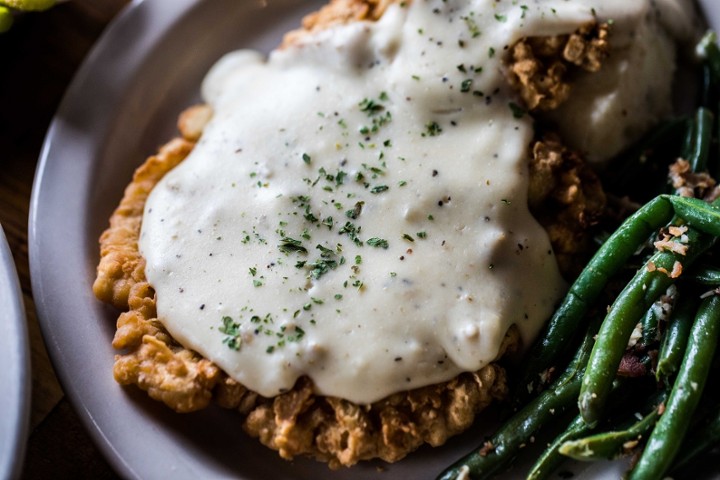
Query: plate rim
(113, 33)
(15, 348)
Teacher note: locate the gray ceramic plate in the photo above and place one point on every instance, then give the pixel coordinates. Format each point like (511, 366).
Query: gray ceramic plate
(121, 106)
(14, 368)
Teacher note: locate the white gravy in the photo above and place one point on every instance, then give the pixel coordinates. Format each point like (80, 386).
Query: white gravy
(356, 209)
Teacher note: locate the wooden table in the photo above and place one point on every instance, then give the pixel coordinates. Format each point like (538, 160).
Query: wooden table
(40, 55)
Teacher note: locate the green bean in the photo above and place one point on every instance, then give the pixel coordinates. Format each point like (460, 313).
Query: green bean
(672, 349)
(650, 325)
(613, 444)
(608, 260)
(698, 213)
(645, 287)
(551, 459)
(705, 275)
(707, 90)
(710, 49)
(703, 131)
(665, 439)
(516, 432)
(703, 439)
(689, 140)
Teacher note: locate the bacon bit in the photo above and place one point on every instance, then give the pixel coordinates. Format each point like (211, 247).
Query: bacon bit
(676, 231)
(689, 184)
(631, 366)
(661, 408)
(486, 449)
(670, 246)
(675, 273)
(677, 270)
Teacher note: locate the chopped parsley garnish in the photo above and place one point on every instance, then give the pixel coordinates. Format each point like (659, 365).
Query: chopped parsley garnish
(352, 231)
(233, 339)
(309, 215)
(324, 251)
(377, 242)
(517, 110)
(290, 245)
(472, 25)
(370, 106)
(466, 85)
(306, 158)
(320, 267)
(432, 129)
(356, 211)
(340, 178)
(377, 122)
(379, 189)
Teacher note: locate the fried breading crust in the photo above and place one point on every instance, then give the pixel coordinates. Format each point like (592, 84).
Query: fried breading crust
(690, 184)
(566, 197)
(342, 433)
(540, 67)
(564, 193)
(299, 422)
(339, 12)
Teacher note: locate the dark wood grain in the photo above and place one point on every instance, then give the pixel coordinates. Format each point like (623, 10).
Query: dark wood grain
(40, 55)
